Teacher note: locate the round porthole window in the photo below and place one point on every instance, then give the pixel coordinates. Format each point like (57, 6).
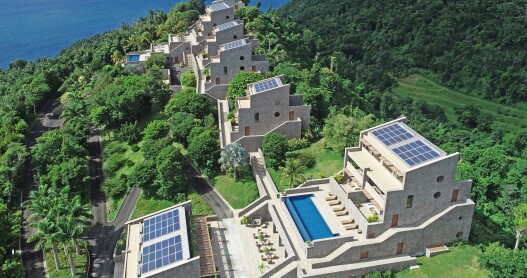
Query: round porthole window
(277, 114)
(242, 58)
(242, 68)
(227, 17)
(461, 217)
(440, 178)
(459, 234)
(437, 195)
(234, 37)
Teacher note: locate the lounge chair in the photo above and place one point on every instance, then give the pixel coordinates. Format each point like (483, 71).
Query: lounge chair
(351, 227)
(334, 203)
(341, 208)
(331, 198)
(347, 221)
(342, 213)
(264, 258)
(359, 231)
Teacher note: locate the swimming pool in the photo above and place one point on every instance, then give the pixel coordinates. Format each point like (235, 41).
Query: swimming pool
(307, 218)
(133, 58)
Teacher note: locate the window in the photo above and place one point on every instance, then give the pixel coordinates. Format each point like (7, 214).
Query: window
(409, 201)
(257, 117)
(371, 235)
(461, 217)
(242, 58)
(437, 195)
(459, 234)
(227, 17)
(214, 24)
(277, 114)
(224, 70)
(364, 255)
(242, 68)
(440, 178)
(235, 37)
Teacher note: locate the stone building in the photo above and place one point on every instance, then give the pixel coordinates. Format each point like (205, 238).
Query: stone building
(266, 107)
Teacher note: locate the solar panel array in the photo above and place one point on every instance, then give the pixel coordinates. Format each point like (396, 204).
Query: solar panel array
(415, 152)
(265, 85)
(161, 225)
(218, 6)
(392, 134)
(227, 25)
(161, 254)
(233, 44)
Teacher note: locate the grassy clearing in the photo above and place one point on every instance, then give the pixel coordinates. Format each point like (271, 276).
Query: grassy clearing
(146, 206)
(239, 193)
(461, 261)
(418, 87)
(113, 207)
(81, 264)
(328, 163)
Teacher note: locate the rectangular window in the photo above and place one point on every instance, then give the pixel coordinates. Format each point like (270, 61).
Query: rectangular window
(409, 201)
(257, 117)
(364, 255)
(224, 70)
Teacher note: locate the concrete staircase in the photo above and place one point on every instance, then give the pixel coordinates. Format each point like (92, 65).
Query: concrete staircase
(189, 60)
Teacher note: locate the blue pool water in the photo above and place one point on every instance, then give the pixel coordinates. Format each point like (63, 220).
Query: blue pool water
(133, 58)
(307, 218)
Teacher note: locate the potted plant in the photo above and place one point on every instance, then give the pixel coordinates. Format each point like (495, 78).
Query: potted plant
(261, 267)
(373, 218)
(261, 236)
(266, 250)
(245, 220)
(309, 243)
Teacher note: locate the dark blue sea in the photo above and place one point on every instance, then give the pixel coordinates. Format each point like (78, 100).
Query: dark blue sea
(30, 29)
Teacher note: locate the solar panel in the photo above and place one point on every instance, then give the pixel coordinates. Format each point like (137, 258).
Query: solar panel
(392, 134)
(161, 254)
(233, 44)
(265, 85)
(161, 225)
(218, 6)
(416, 152)
(227, 25)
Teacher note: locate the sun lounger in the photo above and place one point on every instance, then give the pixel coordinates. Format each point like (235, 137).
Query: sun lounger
(341, 213)
(347, 221)
(334, 203)
(341, 208)
(331, 198)
(351, 227)
(264, 258)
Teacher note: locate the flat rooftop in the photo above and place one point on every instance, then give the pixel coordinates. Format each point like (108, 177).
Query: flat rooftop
(402, 146)
(157, 243)
(264, 85)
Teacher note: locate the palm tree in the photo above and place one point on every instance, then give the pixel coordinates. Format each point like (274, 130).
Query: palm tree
(145, 38)
(46, 236)
(70, 232)
(116, 57)
(234, 157)
(292, 172)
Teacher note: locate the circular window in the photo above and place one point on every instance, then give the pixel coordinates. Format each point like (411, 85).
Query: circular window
(459, 234)
(227, 17)
(242, 68)
(214, 24)
(277, 102)
(277, 114)
(242, 58)
(440, 178)
(437, 195)
(461, 217)
(234, 37)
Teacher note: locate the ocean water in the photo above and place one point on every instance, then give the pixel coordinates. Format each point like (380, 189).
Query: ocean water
(30, 29)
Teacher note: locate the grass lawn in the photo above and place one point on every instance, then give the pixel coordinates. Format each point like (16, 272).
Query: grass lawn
(461, 261)
(146, 206)
(239, 193)
(328, 162)
(81, 263)
(418, 87)
(113, 207)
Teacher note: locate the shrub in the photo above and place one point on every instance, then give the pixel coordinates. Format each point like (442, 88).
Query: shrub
(204, 54)
(113, 164)
(130, 163)
(135, 148)
(129, 133)
(339, 178)
(188, 79)
(274, 148)
(297, 144)
(112, 148)
(114, 187)
(373, 218)
(307, 160)
(157, 60)
(239, 85)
